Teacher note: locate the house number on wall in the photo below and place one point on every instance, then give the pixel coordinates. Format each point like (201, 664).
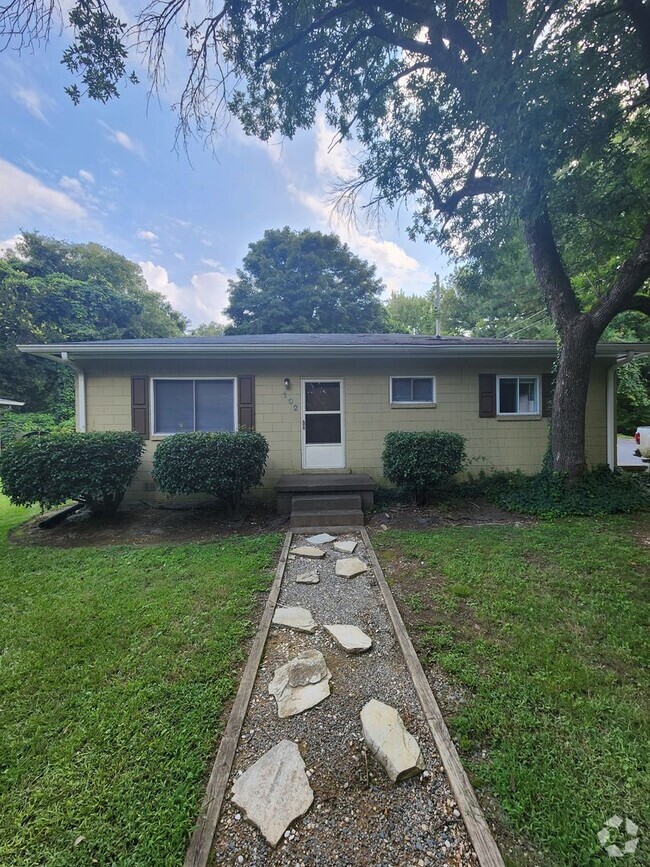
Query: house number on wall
(291, 402)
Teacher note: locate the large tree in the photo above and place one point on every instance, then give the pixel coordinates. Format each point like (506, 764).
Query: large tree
(304, 282)
(52, 291)
(476, 110)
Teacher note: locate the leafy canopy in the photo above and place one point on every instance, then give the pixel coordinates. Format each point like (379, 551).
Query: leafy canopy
(304, 282)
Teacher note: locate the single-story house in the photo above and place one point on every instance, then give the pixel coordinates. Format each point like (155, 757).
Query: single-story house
(325, 402)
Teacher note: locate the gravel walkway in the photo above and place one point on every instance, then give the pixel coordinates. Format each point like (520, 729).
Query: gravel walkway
(358, 816)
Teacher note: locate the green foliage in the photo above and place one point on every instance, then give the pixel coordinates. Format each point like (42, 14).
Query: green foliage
(50, 469)
(549, 495)
(419, 462)
(223, 465)
(633, 392)
(52, 291)
(304, 282)
(118, 664)
(411, 314)
(16, 424)
(208, 329)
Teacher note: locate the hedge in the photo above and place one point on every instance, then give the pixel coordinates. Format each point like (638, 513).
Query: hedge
(50, 469)
(222, 465)
(418, 462)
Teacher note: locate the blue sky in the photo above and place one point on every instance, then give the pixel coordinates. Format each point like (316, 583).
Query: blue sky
(110, 174)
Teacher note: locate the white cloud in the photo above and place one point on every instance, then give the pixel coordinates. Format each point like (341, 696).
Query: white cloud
(124, 140)
(202, 301)
(211, 263)
(396, 268)
(33, 101)
(88, 177)
(9, 243)
(24, 195)
(333, 158)
(146, 235)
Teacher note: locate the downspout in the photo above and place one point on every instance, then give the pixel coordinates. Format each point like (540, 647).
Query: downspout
(611, 416)
(80, 390)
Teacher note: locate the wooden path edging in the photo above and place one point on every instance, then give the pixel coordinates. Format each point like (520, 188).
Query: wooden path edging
(478, 829)
(198, 851)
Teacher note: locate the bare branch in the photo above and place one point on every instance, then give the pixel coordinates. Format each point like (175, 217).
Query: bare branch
(26, 23)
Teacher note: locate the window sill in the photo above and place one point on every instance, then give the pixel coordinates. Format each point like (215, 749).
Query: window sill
(413, 405)
(531, 417)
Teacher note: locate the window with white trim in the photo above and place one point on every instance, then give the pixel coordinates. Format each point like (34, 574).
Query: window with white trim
(187, 405)
(518, 395)
(413, 389)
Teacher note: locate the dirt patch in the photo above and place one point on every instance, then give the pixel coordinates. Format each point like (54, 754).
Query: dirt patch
(467, 514)
(147, 526)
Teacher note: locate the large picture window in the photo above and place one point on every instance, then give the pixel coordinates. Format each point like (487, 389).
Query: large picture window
(412, 389)
(518, 395)
(186, 405)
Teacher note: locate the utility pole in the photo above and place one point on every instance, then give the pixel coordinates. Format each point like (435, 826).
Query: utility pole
(436, 305)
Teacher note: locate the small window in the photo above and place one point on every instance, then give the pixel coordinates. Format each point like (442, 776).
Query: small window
(187, 405)
(518, 395)
(412, 389)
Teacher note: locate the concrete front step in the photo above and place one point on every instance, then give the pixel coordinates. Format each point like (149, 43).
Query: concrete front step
(326, 510)
(327, 518)
(325, 502)
(323, 484)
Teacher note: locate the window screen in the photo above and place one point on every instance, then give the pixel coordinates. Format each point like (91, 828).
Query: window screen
(412, 389)
(182, 405)
(518, 395)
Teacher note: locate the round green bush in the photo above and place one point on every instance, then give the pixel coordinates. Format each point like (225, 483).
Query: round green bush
(52, 468)
(418, 462)
(222, 465)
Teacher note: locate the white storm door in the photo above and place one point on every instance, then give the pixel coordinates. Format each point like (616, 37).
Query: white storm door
(323, 427)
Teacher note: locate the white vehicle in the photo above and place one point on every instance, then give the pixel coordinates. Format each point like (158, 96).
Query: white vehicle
(642, 439)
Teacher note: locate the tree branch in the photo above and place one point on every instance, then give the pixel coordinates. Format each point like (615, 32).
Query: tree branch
(640, 304)
(631, 276)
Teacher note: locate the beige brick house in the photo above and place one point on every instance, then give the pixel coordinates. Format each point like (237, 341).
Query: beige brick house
(325, 401)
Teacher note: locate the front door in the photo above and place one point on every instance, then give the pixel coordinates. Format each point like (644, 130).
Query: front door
(323, 426)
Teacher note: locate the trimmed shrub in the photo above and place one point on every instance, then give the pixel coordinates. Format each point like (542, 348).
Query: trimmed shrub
(223, 465)
(93, 468)
(14, 425)
(417, 463)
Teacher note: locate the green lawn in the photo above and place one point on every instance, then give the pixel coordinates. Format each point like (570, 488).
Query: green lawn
(115, 664)
(546, 627)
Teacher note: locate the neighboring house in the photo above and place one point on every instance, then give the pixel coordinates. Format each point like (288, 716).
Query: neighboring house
(325, 401)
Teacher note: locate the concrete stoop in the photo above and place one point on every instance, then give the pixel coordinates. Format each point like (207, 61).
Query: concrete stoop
(326, 510)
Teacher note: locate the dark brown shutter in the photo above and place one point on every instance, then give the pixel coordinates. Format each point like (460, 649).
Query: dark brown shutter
(487, 395)
(547, 394)
(140, 405)
(246, 403)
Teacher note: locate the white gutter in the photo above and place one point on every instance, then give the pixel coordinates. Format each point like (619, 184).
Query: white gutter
(80, 392)
(56, 352)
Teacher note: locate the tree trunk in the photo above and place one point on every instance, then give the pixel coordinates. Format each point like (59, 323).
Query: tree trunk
(570, 397)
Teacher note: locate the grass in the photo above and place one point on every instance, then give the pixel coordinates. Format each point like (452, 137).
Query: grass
(115, 664)
(546, 627)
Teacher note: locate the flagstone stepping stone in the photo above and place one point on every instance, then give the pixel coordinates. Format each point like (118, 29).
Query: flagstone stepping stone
(348, 567)
(301, 683)
(321, 539)
(274, 791)
(346, 547)
(308, 578)
(308, 551)
(349, 638)
(296, 618)
(389, 741)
